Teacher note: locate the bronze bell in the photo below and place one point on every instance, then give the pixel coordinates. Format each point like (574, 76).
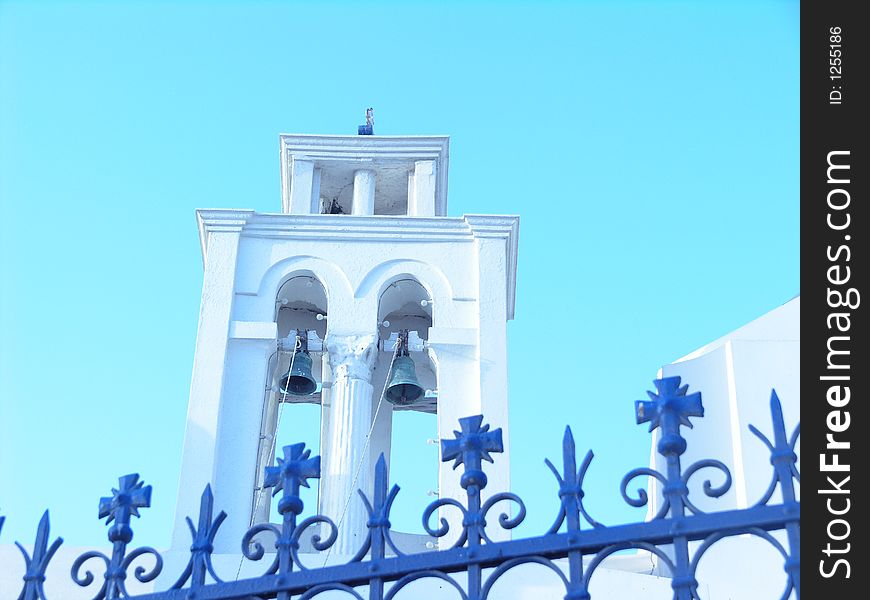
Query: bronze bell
(298, 380)
(403, 388)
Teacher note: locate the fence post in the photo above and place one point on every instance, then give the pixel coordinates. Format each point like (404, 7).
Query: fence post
(670, 409)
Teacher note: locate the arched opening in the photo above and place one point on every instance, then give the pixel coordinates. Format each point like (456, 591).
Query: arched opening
(301, 303)
(405, 309)
(291, 407)
(406, 306)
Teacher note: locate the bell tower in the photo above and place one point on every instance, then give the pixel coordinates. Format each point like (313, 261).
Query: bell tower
(362, 296)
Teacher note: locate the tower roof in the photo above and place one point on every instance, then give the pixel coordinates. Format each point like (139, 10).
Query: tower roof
(392, 158)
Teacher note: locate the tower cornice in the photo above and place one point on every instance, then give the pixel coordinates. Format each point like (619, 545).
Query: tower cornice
(368, 228)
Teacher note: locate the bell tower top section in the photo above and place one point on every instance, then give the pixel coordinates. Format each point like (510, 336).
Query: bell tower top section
(364, 175)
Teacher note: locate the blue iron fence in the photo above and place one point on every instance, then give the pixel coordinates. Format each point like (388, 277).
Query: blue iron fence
(678, 522)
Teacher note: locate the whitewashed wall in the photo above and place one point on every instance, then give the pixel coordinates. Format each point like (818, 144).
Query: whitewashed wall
(735, 375)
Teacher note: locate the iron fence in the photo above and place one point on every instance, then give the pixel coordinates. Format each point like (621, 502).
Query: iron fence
(381, 571)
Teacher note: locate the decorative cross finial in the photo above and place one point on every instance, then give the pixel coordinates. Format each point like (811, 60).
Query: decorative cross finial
(671, 397)
(472, 445)
(669, 409)
(291, 473)
(123, 504)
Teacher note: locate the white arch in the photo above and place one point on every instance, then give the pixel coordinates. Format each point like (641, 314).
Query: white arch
(430, 277)
(333, 279)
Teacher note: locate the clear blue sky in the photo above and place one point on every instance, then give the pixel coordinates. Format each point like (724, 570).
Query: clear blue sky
(651, 150)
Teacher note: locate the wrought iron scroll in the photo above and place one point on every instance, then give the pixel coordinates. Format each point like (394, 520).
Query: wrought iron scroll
(475, 562)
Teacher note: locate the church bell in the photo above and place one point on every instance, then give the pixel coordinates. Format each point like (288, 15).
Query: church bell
(403, 387)
(298, 380)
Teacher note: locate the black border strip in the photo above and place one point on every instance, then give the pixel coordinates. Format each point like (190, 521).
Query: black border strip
(835, 225)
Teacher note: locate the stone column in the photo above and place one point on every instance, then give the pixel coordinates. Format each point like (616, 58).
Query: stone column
(492, 354)
(364, 192)
(422, 202)
(315, 190)
(301, 183)
(382, 432)
(239, 424)
(345, 465)
(454, 352)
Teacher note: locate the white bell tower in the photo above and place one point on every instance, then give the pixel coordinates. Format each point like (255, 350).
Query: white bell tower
(363, 250)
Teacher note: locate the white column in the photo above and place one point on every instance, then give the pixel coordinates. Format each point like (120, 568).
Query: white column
(364, 192)
(454, 352)
(422, 203)
(411, 192)
(238, 436)
(301, 183)
(262, 500)
(206, 386)
(382, 431)
(325, 421)
(315, 191)
(345, 466)
(492, 349)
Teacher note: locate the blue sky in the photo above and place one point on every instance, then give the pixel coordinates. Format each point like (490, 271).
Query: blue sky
(651, 150)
